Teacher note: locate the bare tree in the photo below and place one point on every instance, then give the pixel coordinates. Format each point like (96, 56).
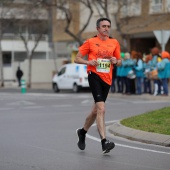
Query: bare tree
(67, 7)
(102, 7)
(123, 13)
(35, 26)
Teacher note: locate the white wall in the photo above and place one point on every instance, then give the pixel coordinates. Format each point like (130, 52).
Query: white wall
(18, 46)
(42, 70)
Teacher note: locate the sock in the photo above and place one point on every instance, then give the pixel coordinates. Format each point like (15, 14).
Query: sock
(103, 141)
(83, 132)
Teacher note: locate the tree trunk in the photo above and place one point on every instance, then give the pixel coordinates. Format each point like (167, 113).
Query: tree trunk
(29, 69)
(1, 66)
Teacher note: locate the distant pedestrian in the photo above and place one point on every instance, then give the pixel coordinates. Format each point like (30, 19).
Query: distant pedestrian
(19, 74)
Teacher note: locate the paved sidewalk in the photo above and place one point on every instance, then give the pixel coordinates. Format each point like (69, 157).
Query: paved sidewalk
(142, 97)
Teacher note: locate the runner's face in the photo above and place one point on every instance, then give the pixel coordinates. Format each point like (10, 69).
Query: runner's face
(104, 28)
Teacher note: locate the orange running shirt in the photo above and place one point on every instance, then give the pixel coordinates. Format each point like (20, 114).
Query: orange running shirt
(101, 50)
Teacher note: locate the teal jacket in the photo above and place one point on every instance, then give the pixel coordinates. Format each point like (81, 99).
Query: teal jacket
(163, 68)
(127, 65)
(139, 69)
(119, 71)
(154, 62)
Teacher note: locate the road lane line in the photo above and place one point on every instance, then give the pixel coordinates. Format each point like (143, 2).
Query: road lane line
(127, 146)
(64, 105)
(6, 108)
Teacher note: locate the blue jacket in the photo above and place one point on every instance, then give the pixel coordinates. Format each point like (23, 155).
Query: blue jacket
(154, 62)
(139, 69)
(119, 71)
(163, 68)
(127, 65)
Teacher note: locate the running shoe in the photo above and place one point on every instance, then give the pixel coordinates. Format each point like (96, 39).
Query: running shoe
(107, 146)
(81, 140)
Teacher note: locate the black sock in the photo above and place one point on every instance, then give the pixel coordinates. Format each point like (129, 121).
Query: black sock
(103, 141)
(83, 132)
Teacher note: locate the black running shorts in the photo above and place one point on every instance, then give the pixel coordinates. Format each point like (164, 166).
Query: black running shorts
(98, 87)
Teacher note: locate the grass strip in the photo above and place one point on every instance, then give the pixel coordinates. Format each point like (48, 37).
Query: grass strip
(157, 121)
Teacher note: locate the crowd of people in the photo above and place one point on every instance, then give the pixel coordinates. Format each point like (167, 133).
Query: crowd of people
(140, 74)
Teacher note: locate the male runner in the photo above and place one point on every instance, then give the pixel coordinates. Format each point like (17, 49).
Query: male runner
(103, 52)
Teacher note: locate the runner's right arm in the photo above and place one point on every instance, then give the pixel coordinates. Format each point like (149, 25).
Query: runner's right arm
(79, 59)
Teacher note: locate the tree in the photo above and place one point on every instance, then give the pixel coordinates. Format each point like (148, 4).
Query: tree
(117, 6)
(67, 8)
(34, 26)
(123, 13)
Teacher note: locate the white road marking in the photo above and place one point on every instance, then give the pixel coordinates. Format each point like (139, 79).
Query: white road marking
(22, 102)
(160, 101)
(85, 101)
(32, 107)
(65, 105)
(127, 146)
(7, 108)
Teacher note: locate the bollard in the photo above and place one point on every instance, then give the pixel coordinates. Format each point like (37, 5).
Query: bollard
(23, 86)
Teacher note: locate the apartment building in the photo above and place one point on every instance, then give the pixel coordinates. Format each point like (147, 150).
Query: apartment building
(144, 18)
(137, 20)
(19, 22)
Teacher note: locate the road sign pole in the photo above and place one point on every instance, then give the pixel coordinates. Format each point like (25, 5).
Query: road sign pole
(163, 40)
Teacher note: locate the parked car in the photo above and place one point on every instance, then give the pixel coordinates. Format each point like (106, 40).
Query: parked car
(71, 76)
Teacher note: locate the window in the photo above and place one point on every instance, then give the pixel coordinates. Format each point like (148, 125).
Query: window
(99, 11)
(159, 6)
(60, 13)
(134, 9)
(156, 6)
(7, 59)
(131, 8)
(167, 6)
(62, 71)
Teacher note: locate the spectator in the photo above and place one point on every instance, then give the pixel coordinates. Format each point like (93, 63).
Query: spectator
(139, 73)
(132, 81)
(127, 65)
(119, 76)
(113, 87)
(147, 81)
(164, 71)
(154, 61)
(19, 74)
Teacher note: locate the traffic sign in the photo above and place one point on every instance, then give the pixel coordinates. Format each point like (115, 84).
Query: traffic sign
(162, 37)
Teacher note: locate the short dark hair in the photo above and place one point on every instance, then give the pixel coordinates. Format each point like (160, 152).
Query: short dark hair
(102, 19)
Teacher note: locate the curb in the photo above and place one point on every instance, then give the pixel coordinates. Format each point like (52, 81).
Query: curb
(137, 135)
(142, 97)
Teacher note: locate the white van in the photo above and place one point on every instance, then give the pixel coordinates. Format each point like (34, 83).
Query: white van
(71, 76)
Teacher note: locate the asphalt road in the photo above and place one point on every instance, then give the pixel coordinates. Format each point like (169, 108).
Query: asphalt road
(37, 132)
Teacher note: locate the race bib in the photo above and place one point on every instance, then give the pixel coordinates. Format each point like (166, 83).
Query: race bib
(104, 65)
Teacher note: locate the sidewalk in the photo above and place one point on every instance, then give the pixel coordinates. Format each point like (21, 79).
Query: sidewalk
(142, 96)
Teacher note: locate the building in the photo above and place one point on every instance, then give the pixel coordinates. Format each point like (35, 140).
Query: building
(20, 33)
(133, 27)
